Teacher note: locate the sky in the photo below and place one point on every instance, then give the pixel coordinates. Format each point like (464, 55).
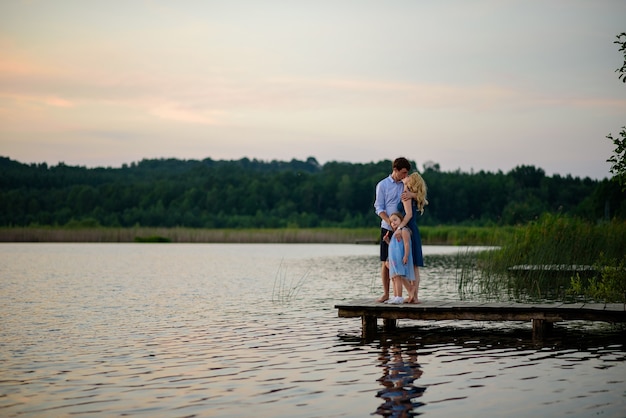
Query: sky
(469, 85)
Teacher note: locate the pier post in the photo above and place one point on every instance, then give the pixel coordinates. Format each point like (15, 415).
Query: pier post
(389, 324)
(368, 326)
(542, 328)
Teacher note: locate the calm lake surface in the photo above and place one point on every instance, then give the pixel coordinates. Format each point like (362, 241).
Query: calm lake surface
(250, 330)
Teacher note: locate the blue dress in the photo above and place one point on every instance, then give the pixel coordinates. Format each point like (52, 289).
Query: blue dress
(396, 254)
(416, 239)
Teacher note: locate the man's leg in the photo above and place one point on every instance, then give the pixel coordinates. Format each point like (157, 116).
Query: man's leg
(384, 268)
(384, 275)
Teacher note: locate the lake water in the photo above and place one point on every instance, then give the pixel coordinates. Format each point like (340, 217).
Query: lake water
(250, 330)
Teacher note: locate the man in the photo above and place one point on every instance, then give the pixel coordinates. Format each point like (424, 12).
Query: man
(388, 195)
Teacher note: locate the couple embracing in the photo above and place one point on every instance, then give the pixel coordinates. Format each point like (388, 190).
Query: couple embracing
(399, 199)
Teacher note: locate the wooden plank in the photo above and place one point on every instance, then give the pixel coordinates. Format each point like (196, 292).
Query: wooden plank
(572, 306)
(484, 311)
(517, 305)
(594, 306)
(544, 306)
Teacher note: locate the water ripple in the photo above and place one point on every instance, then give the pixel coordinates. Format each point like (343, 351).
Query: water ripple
(168, 330)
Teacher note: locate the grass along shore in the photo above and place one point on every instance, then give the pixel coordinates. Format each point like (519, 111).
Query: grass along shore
(431, 235)
(559, 258)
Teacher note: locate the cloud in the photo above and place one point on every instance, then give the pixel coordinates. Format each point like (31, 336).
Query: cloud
(27, 99)
(179, 113)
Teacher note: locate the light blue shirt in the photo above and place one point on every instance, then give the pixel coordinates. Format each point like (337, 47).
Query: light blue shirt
(388, 195)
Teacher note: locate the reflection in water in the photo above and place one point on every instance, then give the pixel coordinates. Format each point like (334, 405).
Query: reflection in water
(573, 372)
(400, 370)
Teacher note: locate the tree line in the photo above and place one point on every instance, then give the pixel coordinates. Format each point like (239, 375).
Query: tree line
(258, 194)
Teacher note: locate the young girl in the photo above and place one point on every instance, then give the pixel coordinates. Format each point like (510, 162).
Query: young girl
(400, 261)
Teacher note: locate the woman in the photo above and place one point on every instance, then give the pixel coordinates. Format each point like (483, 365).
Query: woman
(413, 201)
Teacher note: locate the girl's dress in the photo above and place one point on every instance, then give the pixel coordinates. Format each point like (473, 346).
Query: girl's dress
(396, 254)
(416, 238)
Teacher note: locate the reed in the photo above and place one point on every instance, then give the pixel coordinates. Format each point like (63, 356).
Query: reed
(608, 285)
(431, 235)
(540, 260)
(465, 235)
(186, 235)
(285, 289)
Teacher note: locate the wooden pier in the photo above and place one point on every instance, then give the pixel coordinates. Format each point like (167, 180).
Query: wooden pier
(543, 316)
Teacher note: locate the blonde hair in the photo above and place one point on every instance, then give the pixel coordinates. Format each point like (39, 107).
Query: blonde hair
(416, 184)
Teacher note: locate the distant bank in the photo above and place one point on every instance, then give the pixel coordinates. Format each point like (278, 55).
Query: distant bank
(437, 235)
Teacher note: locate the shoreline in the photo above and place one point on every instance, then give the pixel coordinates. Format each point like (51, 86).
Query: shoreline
(442, 235)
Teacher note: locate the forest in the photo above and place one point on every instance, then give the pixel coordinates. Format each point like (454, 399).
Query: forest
(275, 194)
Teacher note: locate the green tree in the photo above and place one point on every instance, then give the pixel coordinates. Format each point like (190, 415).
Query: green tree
(621, 41)
(618, 159)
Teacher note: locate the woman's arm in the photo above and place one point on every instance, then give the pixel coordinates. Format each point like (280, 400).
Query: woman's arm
(408, 210)
(406, 236)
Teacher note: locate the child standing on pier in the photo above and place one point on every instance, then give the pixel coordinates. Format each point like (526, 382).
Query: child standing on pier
(400, 261)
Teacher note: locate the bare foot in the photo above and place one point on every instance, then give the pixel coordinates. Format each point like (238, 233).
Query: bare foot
(409, 300)
(382, 299)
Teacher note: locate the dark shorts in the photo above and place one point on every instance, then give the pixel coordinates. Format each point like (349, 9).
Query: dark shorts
(384, 247)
